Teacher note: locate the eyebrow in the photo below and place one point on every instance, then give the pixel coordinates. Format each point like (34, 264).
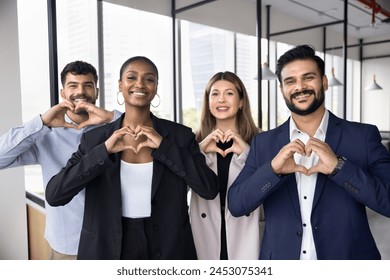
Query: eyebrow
(136, 72)
(304, 75)
(77, 83)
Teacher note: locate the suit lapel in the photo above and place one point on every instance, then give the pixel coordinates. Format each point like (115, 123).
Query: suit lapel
(284, 139)
(158, 167)
(333, 135)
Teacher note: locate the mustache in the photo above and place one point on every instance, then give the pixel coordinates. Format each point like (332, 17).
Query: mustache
(303, 92)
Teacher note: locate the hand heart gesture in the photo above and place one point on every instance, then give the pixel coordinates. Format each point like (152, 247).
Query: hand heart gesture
(129, 138)
(209, 144)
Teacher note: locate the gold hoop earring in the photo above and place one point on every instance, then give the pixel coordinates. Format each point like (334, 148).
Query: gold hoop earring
(117, 98)
(159, 101)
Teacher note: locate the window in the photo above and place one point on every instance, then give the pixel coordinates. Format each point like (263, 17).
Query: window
(34, 71)
(207, 50)
(129, 32)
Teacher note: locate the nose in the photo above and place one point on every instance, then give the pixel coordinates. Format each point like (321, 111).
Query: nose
(81, 88)
(300, 85)
(221, 98)
(139, 82)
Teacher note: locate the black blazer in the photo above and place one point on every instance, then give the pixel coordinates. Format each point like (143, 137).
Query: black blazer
(177, 163)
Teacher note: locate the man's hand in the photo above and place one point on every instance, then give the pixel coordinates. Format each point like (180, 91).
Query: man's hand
(96, 114)
(284, 163)
(327, 158)
(55, 116)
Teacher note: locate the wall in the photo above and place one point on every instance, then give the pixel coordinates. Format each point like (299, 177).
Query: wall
(13, 221)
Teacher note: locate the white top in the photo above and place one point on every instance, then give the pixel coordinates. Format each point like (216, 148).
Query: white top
(136, 185)
(306, 185)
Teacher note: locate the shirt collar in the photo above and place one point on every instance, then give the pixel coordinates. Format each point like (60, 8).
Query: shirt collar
(320, 133)
(69, 120)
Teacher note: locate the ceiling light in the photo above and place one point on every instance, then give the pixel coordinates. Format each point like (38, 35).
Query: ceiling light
(266, 73)
(333, 80)
(374, 85)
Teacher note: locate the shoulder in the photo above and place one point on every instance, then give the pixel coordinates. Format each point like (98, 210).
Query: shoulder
(171, 126)
(102, 132)
(279, 130)
(352, 125)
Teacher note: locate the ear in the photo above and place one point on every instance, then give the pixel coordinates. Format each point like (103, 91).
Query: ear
(62, 93)
(281, 88)
(325, 82)
(97, 93)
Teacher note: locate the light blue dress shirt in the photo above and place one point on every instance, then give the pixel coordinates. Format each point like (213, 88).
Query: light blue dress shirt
(35, 143)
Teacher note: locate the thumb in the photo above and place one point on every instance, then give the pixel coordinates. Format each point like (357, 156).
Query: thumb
(70, 125)
(313, 169)
(302, 169)
(83, 124)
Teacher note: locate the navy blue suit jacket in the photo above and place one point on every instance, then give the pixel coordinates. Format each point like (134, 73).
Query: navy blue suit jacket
(339, 221)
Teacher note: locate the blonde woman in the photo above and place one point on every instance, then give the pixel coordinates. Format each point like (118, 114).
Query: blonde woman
(226, 130)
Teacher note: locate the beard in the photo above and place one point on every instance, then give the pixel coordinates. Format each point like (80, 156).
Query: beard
(84, 98)
(317, 102)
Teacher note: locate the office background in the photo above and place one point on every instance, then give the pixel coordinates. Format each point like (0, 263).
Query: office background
(189, 40)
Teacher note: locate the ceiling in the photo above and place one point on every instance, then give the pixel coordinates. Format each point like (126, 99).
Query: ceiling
(360, 23)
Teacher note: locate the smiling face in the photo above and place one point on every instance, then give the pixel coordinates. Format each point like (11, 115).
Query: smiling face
(224, 100)
(80, 88)
(303, 86)
(138, 84)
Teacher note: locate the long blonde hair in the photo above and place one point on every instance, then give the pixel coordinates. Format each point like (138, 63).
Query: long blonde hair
(246, 125)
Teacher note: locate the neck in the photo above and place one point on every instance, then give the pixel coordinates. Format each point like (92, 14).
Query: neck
(227, 124)
(136, 116)
(309, 123)
(77, 118)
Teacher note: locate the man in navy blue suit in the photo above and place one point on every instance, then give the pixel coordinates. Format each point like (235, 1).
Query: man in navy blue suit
(315, 174)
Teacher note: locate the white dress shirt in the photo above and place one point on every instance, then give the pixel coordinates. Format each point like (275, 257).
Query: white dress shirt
(306, 185)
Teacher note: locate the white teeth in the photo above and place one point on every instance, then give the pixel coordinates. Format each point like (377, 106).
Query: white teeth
(79, 99)
(139, 93)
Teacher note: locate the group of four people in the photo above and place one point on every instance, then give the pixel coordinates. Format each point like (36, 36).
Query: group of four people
(119, 191)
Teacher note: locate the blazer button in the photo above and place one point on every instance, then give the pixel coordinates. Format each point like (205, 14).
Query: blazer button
(299, 233)
(169, 162)
(157, 254)
(182, 173)
(101, 162)
(163, 157)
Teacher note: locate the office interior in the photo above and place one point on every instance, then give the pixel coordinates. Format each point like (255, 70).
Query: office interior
(189, 40)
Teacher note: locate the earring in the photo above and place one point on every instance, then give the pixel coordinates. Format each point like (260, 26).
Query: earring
(117, 98)
(159, 101)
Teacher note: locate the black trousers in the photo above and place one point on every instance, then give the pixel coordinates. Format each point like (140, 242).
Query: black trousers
(136, 237)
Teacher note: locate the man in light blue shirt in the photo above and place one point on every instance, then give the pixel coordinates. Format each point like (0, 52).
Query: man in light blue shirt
(50, 139)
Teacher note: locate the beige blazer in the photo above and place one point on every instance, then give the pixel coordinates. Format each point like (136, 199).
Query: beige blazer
(243, 234)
